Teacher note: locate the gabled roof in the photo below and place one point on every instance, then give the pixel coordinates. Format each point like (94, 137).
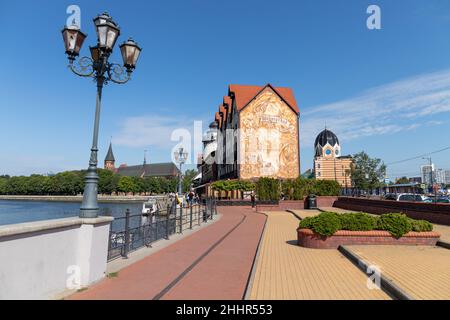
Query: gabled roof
(110, 154)
(150, 170)
(244, 94)
(224, 112)
(228, 104)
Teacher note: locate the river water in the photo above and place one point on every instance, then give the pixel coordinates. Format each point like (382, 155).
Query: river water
(12, 211)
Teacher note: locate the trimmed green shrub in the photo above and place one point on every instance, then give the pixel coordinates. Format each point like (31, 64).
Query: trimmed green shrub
(397, 224)
(421, 225)
(326, 188)
(326, 223)
(307, 223)
(358, 221)
(268, 189)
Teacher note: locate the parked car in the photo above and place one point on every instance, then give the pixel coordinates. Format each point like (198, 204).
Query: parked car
(440, 199)
(407, 197)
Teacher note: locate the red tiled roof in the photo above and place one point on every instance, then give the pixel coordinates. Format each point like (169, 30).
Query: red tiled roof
(244, 94)
(224, 112)
(227, 102)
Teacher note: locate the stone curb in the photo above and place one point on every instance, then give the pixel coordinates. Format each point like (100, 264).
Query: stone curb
(295, 215)
(387, 284)
(252, 274)
(443, 244)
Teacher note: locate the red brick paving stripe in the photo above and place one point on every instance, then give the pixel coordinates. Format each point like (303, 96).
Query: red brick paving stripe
(196, 262)
(222, 274)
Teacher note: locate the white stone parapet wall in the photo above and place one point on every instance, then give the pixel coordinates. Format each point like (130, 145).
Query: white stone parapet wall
(42, 259)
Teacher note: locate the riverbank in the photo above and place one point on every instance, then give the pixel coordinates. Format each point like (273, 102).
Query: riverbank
(79, 198)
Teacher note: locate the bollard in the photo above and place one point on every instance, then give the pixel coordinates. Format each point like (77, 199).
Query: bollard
(198, 213)
(190, 213)
(127, 234)
(167, 221)
(181, 218)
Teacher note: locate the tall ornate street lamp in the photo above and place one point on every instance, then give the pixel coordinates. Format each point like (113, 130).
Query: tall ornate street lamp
(180, 158)
(102, 71)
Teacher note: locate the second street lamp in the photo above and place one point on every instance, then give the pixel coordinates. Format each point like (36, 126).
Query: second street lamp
(98, 67)
(180, 158)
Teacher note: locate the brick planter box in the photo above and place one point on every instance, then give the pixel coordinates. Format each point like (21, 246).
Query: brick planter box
(282, 205)
(307, 238)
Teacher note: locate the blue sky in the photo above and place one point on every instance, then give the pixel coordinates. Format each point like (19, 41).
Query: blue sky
(383, 91)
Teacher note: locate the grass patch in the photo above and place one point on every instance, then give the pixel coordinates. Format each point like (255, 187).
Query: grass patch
(113, 275)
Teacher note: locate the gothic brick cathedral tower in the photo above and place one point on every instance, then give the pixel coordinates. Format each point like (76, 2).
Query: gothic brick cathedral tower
(110, 160)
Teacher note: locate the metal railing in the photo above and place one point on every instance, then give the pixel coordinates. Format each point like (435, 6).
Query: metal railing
(134, 231)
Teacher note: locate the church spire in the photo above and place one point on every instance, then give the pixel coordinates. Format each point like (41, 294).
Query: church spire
(145, 157)
(109, 159)
(110, 154)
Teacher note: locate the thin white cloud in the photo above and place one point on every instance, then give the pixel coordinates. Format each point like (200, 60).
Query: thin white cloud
(399, 106)
(152, 130)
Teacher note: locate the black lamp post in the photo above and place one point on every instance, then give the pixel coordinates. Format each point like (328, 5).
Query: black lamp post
(102, 71)
(180, 158)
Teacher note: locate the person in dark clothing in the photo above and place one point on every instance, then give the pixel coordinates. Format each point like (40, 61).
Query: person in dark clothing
(253, 199)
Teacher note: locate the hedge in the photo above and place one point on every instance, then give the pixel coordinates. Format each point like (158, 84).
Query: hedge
(327, 223)
(268, 189)
(298, 189)
(230, 185)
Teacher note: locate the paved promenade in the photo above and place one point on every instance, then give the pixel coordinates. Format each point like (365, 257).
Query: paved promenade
(287, 271)
(422, 272)
(213, 263)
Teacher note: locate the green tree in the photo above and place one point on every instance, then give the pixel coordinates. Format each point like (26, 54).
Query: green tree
(3, 184)
(108, 180)
(127, 185)
(36, 184)
(152, 185)
(187, 179)
(367, 173)
(139, 185)
(402, 180)
(17, 185)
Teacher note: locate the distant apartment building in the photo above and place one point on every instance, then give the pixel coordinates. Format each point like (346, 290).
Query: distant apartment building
(440, 176)
(447, 176)
(428, 173)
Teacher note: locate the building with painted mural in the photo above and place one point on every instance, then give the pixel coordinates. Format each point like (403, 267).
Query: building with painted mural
(258, 133)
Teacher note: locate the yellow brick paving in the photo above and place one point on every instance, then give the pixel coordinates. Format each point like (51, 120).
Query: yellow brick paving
(422, 272)
(444, 231)
(287, 271)
(306, 213)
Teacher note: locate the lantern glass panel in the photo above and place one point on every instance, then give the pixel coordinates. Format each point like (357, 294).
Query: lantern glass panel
(101, 33)
(111, 37)
(73, 40)
(137, 52)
